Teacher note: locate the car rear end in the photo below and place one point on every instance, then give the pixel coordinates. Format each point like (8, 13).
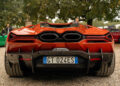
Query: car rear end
(53, 49)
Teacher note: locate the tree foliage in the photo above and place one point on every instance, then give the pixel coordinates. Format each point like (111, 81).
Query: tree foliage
(65, 9)
(17, 12)
(59, 21)
(40, 9)
(11, 11)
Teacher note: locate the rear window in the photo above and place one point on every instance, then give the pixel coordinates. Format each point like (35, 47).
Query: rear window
(59, 26)
(114, 30)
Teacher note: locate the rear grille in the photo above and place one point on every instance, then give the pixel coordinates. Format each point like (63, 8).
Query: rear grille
(96, 41)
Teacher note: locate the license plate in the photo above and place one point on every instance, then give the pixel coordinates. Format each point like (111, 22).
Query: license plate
(60, 60)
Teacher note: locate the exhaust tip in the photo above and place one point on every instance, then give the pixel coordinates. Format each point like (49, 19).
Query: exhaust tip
(72, 36)
(48, 37)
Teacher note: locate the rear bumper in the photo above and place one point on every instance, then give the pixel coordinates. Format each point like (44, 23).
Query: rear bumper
(34, 60)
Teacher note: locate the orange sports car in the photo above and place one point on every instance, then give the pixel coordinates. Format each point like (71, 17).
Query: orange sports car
(55, 46)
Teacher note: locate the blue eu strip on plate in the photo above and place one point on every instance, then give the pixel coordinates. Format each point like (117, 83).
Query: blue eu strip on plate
(44, 60)
(76, 60)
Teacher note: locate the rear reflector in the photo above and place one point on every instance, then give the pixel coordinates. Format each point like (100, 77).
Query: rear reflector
(95, 59)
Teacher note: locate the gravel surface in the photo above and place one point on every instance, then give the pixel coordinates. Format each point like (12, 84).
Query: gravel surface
(59, 79)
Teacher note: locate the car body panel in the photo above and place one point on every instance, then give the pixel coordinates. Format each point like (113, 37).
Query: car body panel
(82, 45)
(82, 29)
(37, 44)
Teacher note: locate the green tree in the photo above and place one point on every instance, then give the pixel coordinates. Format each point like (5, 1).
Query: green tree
(38, 10)
(59, 21)
(65, 9)
(11, 11)
(89, 9)
(16, 12)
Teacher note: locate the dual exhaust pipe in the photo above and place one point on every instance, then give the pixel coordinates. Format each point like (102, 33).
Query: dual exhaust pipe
(65, 37)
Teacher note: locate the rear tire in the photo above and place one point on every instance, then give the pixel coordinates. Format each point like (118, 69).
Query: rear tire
(106, 69)
(13, 70)
(119, 40)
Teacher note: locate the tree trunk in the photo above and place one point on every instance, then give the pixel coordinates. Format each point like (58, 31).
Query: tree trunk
(90, 21)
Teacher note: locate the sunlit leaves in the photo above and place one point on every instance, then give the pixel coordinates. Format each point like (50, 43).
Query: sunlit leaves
(19, 11)
(11, 12)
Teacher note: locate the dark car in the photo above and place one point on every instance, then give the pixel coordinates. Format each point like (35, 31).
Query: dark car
(116, 34)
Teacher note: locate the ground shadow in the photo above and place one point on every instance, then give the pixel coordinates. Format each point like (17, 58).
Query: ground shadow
(56, 75)
(54, 78)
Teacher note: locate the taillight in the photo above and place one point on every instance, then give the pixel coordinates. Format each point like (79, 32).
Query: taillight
(107, 37)
(12, 36)
(95, 37)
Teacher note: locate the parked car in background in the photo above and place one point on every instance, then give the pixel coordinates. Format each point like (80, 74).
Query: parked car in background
(116, 34)
(3, 37)
(3, 40)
